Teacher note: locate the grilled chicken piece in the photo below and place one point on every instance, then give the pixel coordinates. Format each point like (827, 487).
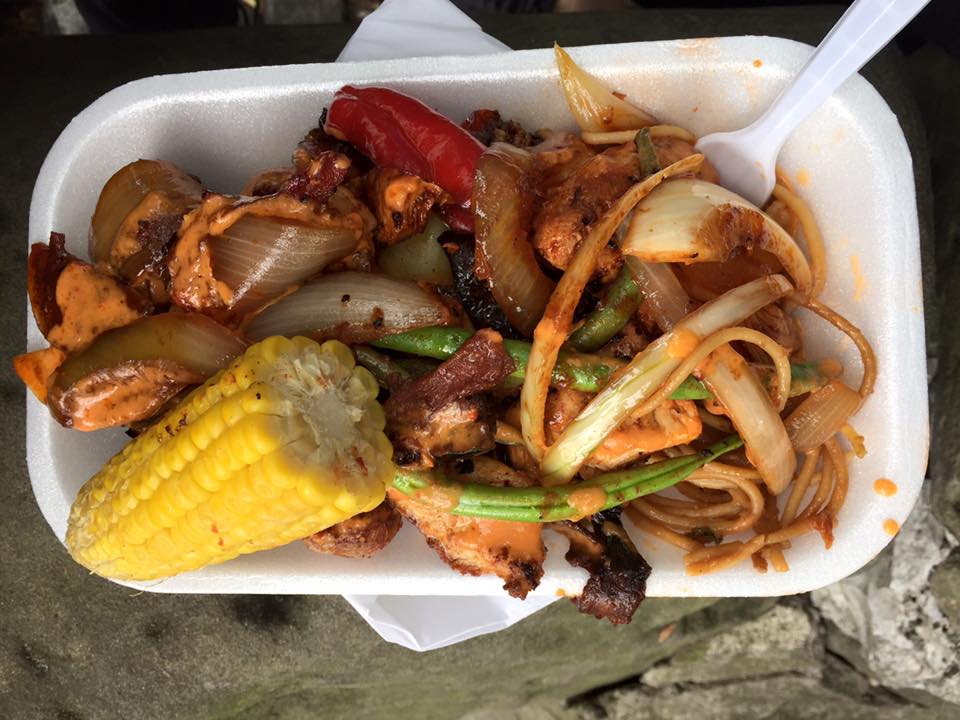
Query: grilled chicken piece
(35, 368)
(618, 573)
(773, 321)
(559, 156)
(513, 551)
(73, 301)
(569, 209)
(359, 537)
(672, 423)
(443, 412)
(400, 203)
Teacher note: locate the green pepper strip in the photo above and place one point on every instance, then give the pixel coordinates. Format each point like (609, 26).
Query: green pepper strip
(623, 299)
(540, 504)
(649, 164)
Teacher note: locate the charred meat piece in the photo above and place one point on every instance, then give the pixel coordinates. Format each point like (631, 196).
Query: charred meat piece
(72, 301)
(317, 142)
(474, 293)
(319, 178)
(443, 412)
(618, 574)
(488, 127)
(569, 209)
(774, 322)
(513, 551)
(361, 536)
(400, 203)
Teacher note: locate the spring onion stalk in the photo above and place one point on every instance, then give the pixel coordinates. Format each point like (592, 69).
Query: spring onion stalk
(742, 394)
(648, 371)
(540, 504)
(623, 299)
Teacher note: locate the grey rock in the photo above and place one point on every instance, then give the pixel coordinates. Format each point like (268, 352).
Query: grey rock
(784, 697)
(904, 637)
(782, 640)
(945, 586)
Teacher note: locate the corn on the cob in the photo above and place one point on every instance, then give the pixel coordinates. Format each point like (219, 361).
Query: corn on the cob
(284, 442)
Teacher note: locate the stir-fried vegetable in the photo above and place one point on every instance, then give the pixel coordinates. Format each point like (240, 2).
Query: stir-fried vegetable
(592, 105)
(734, 385)
(691, 220)
(648, 372)
(822, 415)
(503, 199)
(395, 130)
(539, 504)
(350, 306)
(419, 258)
(623, 299)
(128, 373)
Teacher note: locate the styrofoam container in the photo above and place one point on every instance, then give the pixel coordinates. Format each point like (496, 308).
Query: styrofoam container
(849, 161)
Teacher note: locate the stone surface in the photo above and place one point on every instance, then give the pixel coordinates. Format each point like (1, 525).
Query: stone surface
(73, 646)
(902, 634)
(945, 586)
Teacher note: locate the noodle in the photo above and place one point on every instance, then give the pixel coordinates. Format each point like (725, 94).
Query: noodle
(853, 332)
(661, 532)
(618, 137)
(811, 233)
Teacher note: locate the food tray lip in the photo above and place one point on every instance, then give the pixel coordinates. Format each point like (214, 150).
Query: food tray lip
(253, 82)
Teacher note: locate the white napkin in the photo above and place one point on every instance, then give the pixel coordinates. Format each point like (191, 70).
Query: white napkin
(412, 28)
(417, 28)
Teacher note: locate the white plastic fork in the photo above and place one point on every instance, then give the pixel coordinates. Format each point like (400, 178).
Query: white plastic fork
(746, 159)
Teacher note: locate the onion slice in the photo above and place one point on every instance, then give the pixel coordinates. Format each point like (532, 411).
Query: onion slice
(690, 220)
(592, 105)
(128, 373)
(503, 200)
(352, 307)
(648, 371)
(733, 383)
(259, 258)
(822, 415)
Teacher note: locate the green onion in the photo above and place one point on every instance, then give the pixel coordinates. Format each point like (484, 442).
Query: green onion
(648, 153)
(541, 504)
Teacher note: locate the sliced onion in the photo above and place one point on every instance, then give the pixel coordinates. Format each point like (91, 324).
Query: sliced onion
(126, 374)
(648, 371)
(822, 415)
(139, 189)
(503, 200)
(732, 383)
(351, 306)
(663, 296)
(690, 220)
(259, 258)
(592, 105)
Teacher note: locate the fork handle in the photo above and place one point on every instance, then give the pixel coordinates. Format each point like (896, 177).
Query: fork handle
(861, 33)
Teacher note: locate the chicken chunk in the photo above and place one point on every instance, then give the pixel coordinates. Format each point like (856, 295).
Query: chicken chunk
(513, 551)
(568, 211)
(359, 537)
(400, 203)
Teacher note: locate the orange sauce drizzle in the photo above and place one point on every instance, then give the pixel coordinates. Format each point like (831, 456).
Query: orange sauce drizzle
(885, 487)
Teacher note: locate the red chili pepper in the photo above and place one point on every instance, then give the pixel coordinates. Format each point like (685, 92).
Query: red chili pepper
(395, 130)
